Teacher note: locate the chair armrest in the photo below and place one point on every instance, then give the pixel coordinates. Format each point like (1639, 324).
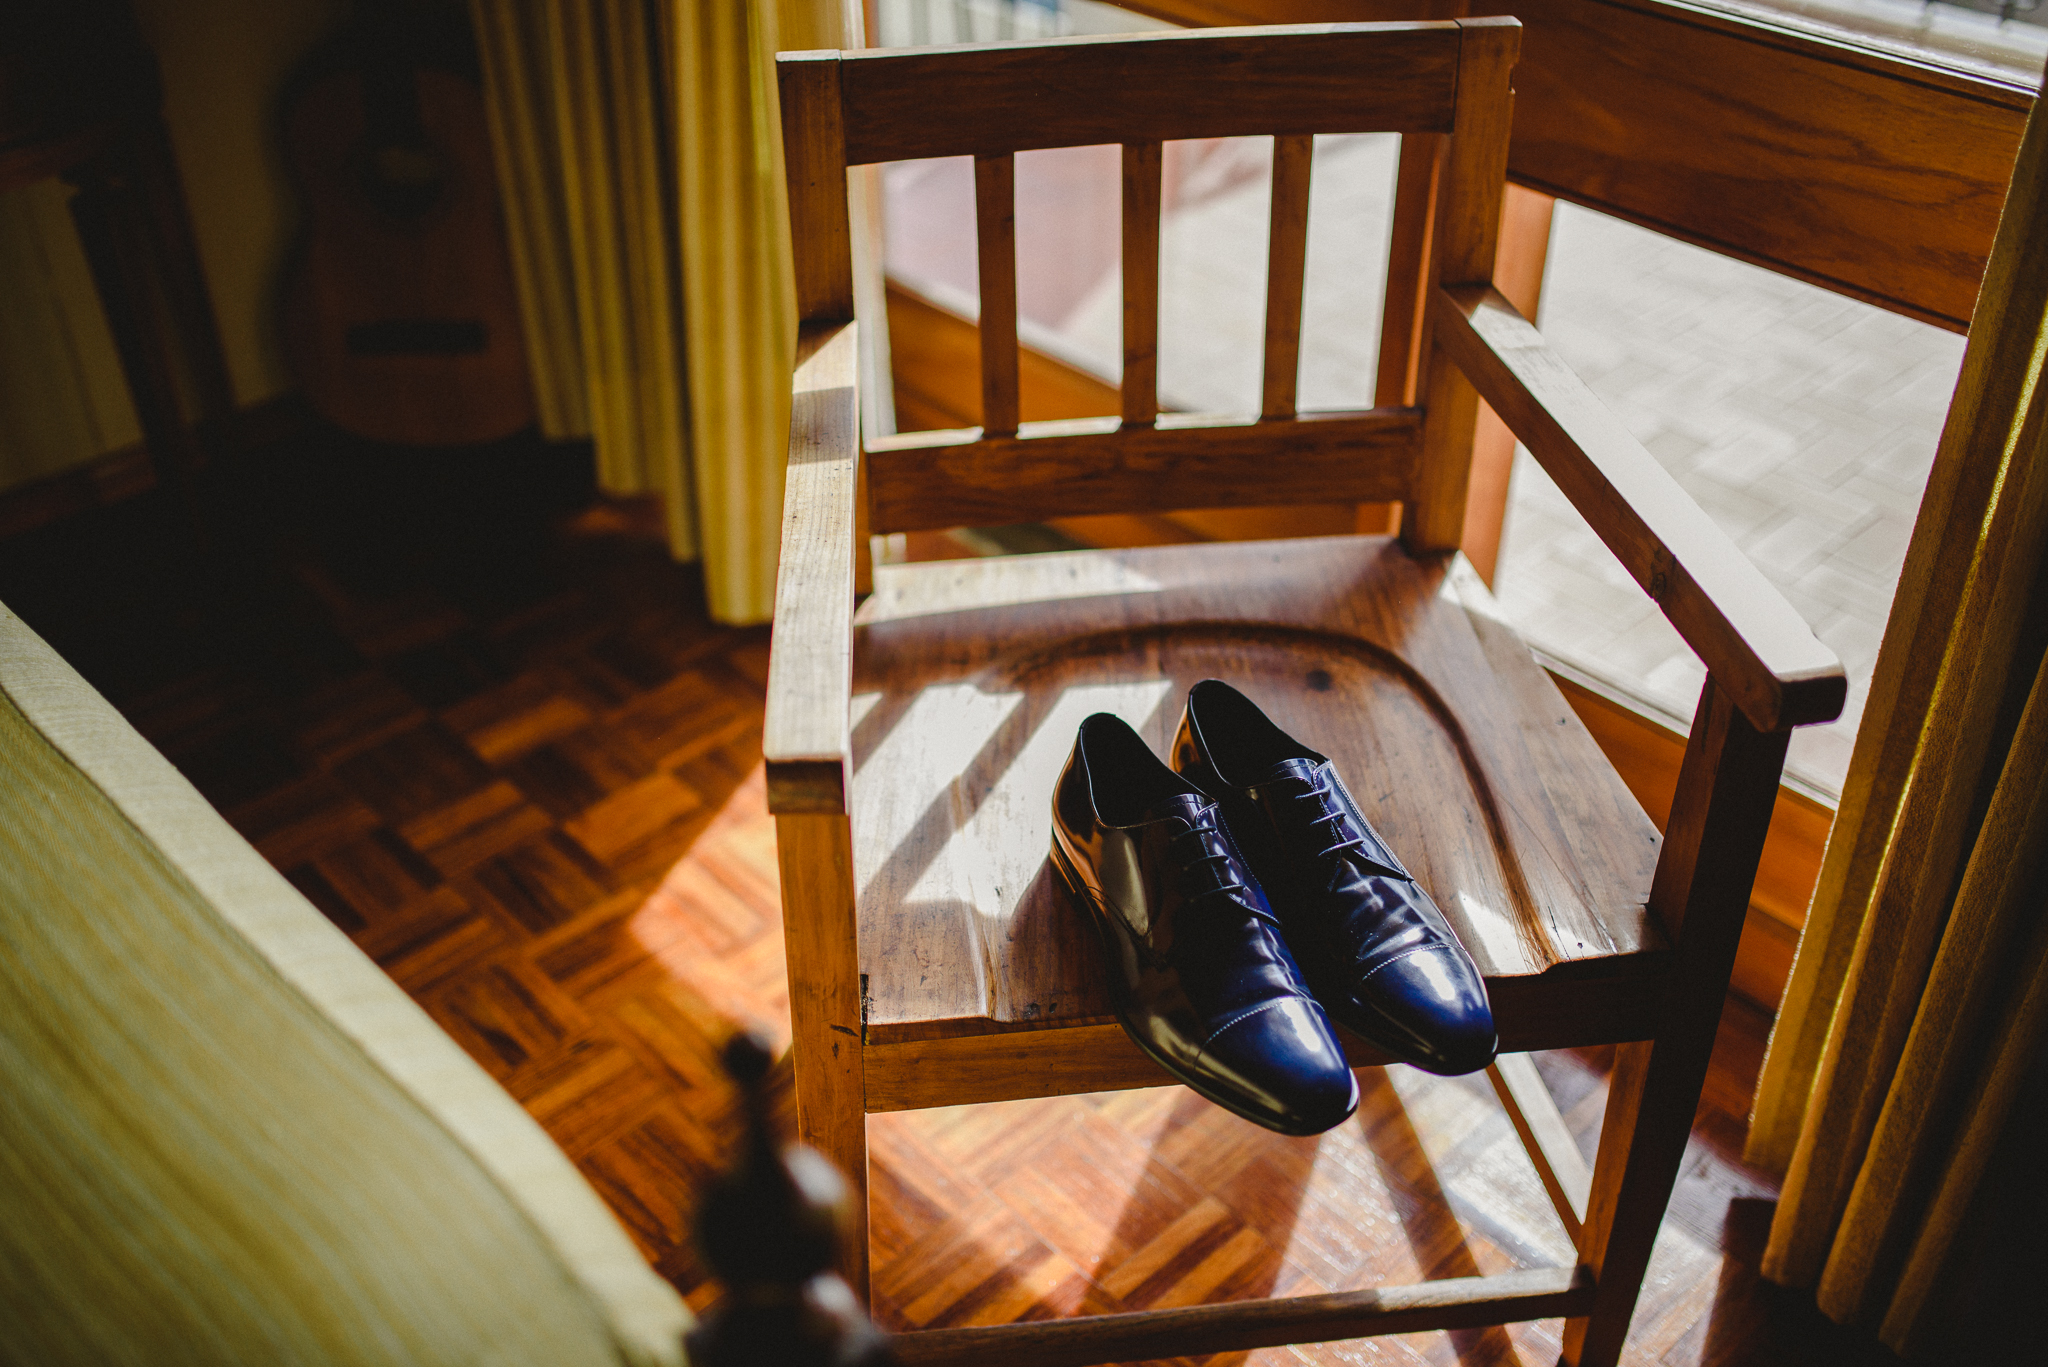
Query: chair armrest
(1752, 640)
(806, 736)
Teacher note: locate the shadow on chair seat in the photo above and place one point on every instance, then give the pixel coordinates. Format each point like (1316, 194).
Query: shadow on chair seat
(1454, 740)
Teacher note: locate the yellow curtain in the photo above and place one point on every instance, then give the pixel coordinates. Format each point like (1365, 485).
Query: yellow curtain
(1919, 996)
(639, 147)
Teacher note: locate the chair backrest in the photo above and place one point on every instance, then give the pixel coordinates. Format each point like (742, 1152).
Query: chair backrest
(225, 1135)
(1444, 82)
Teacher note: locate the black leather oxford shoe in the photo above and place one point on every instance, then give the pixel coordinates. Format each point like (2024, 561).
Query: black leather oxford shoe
(1200, 975)
(1376, 950)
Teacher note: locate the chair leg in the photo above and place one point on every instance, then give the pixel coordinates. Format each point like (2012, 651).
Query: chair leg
(1642, 1142)
(820, 935)
(1712, 842)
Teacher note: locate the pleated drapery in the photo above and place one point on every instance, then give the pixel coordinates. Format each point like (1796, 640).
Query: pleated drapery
(639, 152)
(1919, 997)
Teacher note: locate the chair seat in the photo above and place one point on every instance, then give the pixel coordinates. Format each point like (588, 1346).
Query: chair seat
(970, 678)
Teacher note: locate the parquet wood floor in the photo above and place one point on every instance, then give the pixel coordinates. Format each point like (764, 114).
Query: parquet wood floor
(481, 721)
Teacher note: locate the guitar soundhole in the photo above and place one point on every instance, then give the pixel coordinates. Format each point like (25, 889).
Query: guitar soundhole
(417, 337)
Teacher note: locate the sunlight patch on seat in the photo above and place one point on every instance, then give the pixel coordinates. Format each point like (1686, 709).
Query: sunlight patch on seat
(990, 800)
(1500, 941)
(922, 590)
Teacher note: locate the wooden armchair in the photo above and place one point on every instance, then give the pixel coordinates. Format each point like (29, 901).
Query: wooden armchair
(912, 744)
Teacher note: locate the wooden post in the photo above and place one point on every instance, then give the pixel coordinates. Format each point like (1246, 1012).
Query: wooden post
(1408, 267)
(1409, 281)
(995, 236)
(1286, 264)
(805, 745)
(1139, 390)
(1466, 235)
(1518, 275)
(814, 852)
(814, 162)
(1726, 788)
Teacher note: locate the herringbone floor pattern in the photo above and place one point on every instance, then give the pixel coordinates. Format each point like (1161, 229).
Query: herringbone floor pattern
(484, 726)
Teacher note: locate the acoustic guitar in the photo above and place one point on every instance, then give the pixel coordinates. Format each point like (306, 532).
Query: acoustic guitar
(401, 322)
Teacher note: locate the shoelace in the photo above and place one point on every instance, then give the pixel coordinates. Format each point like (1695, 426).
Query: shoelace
(1332, 813)
(1213, 854)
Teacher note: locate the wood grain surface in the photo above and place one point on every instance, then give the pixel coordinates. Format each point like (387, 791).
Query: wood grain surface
(1286, 269)
(1085, 465)
(1454, 1303)
(1139, 388)
(806, 739)
(1409, 272)
(1545, 1136)
(1647, 755)
(814, 162)
(970, 680)
(1518, 274)
(995, 240)
(1714, 839)
(1461, 248)
(1871, 175)
(1475, 163)
(1755, 642)
(814, 858)
(1077, 92)
(914, 1065)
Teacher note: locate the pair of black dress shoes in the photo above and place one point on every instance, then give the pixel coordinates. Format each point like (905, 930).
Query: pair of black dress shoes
(1218, 881)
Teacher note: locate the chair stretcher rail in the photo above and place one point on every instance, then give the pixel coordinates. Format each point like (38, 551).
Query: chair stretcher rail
(1454, 1303)
(1754, 641)
(962, 478)
(1548, 1140)
(805, 733)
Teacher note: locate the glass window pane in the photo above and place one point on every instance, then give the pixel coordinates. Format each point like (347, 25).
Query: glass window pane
(1803, 422)
(2001, 39)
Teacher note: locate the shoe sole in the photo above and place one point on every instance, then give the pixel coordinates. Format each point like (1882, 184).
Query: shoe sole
(1081, 901)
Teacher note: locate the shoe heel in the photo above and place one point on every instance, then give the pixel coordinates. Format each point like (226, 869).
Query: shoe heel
(1069, 879)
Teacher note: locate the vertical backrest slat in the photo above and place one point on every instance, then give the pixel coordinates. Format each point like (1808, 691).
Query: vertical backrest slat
(995, 235)
(1442, 85)
(1408, 266)
(1286, 262)
(814, 161)
(1140, 389)
(1472, 182)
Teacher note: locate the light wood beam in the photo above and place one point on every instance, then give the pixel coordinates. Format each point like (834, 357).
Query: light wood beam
(1754, 641)
(1465, 236)
(1286, 266)
(1518, 275)
(1131, 88)
(1198, 1331)
(1723, 805)
(967, 478)
(995, 235)
(805, 737)
(1140, 385)
(814, 162)
(1552, 1150)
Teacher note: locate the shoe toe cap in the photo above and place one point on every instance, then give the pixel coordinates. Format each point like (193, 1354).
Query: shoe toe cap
(1283, 1066)
(1436, 1002)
